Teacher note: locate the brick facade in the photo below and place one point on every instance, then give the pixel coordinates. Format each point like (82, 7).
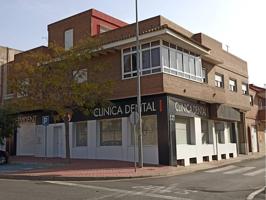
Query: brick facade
(214, 60)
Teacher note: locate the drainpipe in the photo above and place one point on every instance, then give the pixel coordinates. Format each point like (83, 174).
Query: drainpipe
(217, 150)
(237, 137)
(245, 133)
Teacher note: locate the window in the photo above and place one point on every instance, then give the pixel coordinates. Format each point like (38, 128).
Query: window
(80, 76)
(244, 88)
(163, 56)
(179, 58)
(198, 66)
(155, 57)
(182, 131)
(146, 60)
(111, 132)
(23, 88)
(204, 75)
(204, 132)
(219, 130)
(149, 130)
(103, 29)
(219, 82)
(186, 65)
(191, 62)
(231, 132)
(260, 103)
(251, 101)
(232, 85)
(173, 59)
(149, 59)
(80, 134)
(68, 39)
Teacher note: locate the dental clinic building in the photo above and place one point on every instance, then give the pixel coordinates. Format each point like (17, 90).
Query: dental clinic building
(194, 96)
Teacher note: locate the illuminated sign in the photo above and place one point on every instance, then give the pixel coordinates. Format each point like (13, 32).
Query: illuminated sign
(116, 110)
(27, 119)
(191, 108)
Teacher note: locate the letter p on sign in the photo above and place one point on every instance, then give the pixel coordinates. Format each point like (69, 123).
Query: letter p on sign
(45, 120)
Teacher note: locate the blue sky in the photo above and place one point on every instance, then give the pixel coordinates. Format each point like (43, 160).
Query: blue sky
(240, 24)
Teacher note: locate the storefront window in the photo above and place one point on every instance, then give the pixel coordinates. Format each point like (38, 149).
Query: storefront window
(149, 130)
(232, 132)
(80, 134)
(205, 132)
(219, 130)
(111, 132)
(182, 131)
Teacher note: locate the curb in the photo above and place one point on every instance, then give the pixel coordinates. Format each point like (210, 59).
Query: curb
(68, 178)
(183, 171)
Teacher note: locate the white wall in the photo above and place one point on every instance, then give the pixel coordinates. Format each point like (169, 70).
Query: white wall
(26, 139)
(198, 150)
(31, 141)
(124, 152)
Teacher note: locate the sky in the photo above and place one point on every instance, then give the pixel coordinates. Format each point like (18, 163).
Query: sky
(240, 24)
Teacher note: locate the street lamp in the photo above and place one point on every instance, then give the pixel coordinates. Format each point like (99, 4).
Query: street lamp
(140, 146)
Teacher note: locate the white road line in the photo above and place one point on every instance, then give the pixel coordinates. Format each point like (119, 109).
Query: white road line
(255, 193)
(127, 192)
(255, 172)
(221, 169)
(239, 170)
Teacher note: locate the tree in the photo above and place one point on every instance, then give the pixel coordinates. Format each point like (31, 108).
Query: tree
(53, 79)
(8, 124)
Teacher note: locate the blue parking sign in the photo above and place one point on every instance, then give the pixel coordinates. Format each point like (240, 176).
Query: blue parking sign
(45, 120)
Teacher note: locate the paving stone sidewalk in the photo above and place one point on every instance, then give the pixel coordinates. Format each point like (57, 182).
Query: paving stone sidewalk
(33, 168)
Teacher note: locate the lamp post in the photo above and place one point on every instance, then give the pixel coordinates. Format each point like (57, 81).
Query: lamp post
(140, 145)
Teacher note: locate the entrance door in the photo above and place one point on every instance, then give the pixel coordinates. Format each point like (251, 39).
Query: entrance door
(56, 141)
(254, 139)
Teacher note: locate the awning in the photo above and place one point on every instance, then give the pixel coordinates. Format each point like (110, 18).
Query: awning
(224, 112)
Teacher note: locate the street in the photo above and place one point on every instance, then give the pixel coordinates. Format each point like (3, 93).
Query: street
(232, 182)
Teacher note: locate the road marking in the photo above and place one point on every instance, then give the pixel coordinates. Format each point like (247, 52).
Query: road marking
(221, 169)
(127, 192)
(255, 193)
(255, 172)
(164, 189)
(239, 170)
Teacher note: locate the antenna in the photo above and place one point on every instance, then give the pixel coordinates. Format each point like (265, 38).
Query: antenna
(227, 47)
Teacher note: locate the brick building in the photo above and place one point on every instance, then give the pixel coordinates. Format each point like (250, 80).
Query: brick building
(256, 120)
(194, 95)
(6, 55)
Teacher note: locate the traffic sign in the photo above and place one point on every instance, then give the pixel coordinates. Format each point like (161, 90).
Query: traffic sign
(134, 118)
(45, 120)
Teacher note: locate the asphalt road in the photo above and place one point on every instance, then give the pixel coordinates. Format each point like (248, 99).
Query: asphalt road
(237, 181)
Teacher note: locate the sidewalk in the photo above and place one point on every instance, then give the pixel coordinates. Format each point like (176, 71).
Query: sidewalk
(32, 168)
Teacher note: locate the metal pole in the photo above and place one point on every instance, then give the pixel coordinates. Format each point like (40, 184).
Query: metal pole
(217, 150)
(135, 143)
(45, 147)
(140, 146)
